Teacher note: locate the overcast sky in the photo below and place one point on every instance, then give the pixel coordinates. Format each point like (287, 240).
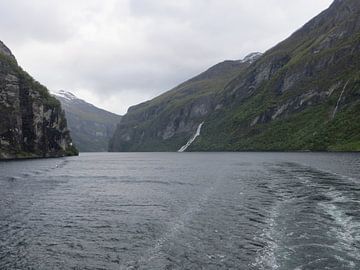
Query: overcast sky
(117, 53)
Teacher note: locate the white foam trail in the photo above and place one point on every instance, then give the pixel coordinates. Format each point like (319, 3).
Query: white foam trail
(347, 231)
(338, 102)
(192, 139)
(266, 258)
(175, 228)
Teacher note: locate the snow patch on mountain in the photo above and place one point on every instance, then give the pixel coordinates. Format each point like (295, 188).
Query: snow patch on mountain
(252, 57)
(65, 95)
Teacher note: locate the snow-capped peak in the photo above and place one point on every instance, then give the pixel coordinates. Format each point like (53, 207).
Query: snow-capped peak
(252, 57)
(65, 95)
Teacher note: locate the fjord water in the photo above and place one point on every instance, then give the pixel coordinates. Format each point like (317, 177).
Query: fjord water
(181, 211)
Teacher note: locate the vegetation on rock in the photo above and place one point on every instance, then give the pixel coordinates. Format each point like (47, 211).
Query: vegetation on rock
(303, 94)
(32, 123)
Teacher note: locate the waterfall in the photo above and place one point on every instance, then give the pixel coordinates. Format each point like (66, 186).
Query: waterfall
(192, 139)
(338, 102)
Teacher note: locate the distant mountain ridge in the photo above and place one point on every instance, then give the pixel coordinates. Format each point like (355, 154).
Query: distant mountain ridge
(303, 94)
(90, 126)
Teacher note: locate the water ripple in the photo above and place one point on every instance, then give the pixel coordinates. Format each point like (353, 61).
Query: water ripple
(169, 211)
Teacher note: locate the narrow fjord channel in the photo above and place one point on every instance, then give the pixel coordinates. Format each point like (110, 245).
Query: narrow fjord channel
(181, 211)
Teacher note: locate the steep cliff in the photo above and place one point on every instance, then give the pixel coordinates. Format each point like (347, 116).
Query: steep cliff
(303, 94)
(32, 121)
(91, 127)
(166, 122)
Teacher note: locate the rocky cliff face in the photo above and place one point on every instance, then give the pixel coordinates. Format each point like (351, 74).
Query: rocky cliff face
(91, 127)
(303, 94)
(32, 122)
(168, 121)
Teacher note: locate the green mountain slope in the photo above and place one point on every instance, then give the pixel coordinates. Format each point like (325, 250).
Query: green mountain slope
(303, 94)
(165, 123)
(91, 127)
(32, 122)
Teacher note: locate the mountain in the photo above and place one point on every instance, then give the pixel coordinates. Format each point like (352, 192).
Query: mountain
(91, 127)
(165, 123)
(303, 94)
(32, 123)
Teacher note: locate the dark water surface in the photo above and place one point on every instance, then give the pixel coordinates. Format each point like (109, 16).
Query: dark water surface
(181, 211)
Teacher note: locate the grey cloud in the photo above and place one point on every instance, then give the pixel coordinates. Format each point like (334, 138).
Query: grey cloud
(39, 20)
(169, 8)
(116, 53)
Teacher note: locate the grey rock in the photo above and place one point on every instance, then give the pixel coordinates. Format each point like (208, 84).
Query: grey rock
(32, 122)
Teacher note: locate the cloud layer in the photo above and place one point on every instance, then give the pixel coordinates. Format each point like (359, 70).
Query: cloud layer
(117, 53)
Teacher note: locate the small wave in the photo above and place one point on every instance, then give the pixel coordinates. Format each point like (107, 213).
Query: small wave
(155, 182)
(257, 220)
(266, 258)
(61, 164)
(322, 173)
(347, 229)
(320, 198)
(141, 205)
(12, 178)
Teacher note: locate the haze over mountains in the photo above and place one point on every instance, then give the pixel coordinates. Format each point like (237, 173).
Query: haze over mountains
(303, 94)
(91, 127)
